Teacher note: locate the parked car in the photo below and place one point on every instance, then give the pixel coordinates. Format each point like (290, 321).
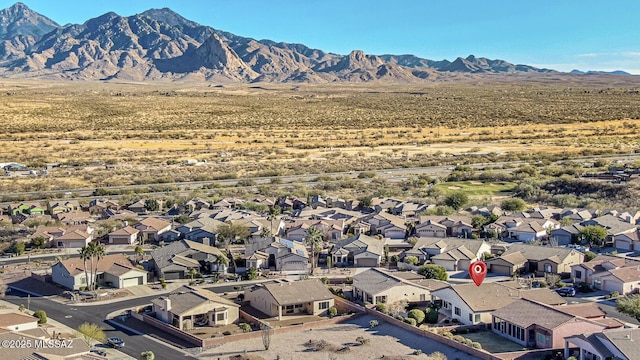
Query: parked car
(98, 352)
(566, 291)
(115, 342)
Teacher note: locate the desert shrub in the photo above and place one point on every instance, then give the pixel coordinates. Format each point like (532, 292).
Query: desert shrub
(411, 321)
(226, 332)
(362, 340)
(476, 345)
(437, 356)
(458, 338)
(373, 323)
(417, 314)
(417, 352)
(333, 311)
(41, 315)
(245, 327)
(381, 307)
(447, 334)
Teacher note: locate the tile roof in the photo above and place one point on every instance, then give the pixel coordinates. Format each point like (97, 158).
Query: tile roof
(515, 258)
(295, 292)
(153, 223)
(585, 310)
(125, 231)
(626, 274)
(626, 340)
(538, 253)
(12, 319)
(76, 265)
(186, 298)
(359, 244)
(525, 313)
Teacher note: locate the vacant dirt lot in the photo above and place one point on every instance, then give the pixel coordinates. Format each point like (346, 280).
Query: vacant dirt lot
(387, 340)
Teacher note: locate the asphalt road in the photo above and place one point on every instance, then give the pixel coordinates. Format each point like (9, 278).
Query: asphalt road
(73, 317)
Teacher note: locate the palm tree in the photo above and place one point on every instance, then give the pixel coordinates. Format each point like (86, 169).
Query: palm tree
(274, 211)
(139, 252)
(192, 273)
(96, 251)
(84, 255)
(314, 237)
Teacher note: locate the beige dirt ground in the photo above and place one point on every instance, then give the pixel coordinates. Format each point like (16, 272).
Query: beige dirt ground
(387, 340)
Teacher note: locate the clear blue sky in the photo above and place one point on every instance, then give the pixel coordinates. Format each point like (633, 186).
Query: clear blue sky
(558, 34)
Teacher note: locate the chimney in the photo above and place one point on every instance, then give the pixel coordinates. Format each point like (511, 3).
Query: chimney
(206, 241)
(126, 223)
(167, 304)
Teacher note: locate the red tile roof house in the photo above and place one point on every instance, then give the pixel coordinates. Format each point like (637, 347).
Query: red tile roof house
(532, 324)
(128, 235)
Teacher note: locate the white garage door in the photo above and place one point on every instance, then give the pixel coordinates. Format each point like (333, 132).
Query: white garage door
(500, 269)
(610, 285)
(131, 282)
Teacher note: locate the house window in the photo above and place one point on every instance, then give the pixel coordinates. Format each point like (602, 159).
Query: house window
(543, 340)
(476, 318)
(289, 309)
(323, 305)
(547, 268)
(423, 297)
(578, 274)
(457, 311)
(221, 316)
(381, 299)
(470, 317)
(60, 244)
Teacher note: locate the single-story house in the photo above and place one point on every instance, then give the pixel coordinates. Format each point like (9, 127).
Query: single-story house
(59, 206)
(359, 250)
(174, 260)
(546, 259)
(128, 235)
(189, 307)
(616, 344)
(471, 304)
(585, 272)
(536, 325)
(151, 228)
(290, 298)
(73, 239)
(625, 280)
(566, 235)
(455, 259)
(114, 270)
(627, 241)
(14, 321)
(379, 286)
(509, 264)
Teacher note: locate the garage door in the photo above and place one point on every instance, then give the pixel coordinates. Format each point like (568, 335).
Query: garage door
(131, 282)
(500, 269)
(294, 266)
(623, 245)
(367, 262)
(609, 285)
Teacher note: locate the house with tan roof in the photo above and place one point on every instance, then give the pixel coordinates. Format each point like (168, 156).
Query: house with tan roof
(359, 250)
(619, 344)
(114, 270)
(456, 226)
(97, 206)
(128, 235)
(281, 255)
(287, 298)
(74, 217)
(592, 312)
(73, 239)
(624, 280)
(331, 229)
(452, 253)
(58, 206)
(189, 307)
(384, 224)
(173, 261)
(584, 272)
(14, 321)
(151, 228)
(379, 286)
(628, 241)
(536, 325)
(547, 259)
(509, 264)
(471, 304)
(522, 228)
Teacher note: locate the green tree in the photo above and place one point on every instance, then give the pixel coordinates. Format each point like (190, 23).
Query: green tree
(629, 305)
(139, 252)
(313, 240)
(273, 214)
(39, 242)
(364, 202)
(411, 260)
(589, 255)
(417, 314)
(85, 255)
(252, 273)
(41, 315)
(182, 219)
(230, 232)
(91, 332)
(192, 272)
(147, 355)
(594, 234)
(566, 221)
(513, 204)
(431, 271)
(152, 205)
(97, 252)
(478, 221)
(456, 200)
(18, 248)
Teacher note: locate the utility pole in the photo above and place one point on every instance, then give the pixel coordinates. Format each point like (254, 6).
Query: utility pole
(28, 301)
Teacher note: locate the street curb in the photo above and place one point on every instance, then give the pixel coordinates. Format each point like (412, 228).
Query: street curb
(116, 324)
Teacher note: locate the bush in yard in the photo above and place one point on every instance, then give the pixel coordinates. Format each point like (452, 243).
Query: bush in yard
(417, 352)
(468, 342)
(410, 321)
(458, 338)
(41, 315)
(381, 307)
(438, 356)
(362, 340)
(245, 327)
(373, 323)
(333, 311)
(226, 332)
(476, 345)
(417, 314)
(447, 334)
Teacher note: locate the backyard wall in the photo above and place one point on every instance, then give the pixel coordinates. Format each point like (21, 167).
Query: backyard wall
(433, 336)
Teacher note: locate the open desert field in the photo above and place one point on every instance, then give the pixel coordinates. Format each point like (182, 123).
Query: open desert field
(114, 134)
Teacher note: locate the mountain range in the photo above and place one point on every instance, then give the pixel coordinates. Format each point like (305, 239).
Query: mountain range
(160, 44)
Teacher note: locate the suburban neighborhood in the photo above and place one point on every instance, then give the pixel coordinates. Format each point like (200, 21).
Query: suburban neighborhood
(305, 264)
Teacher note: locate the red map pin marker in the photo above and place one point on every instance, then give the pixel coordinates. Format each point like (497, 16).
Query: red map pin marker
(478, 270)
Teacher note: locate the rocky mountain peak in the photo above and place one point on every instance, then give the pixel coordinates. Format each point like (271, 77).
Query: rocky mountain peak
(19, 20)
